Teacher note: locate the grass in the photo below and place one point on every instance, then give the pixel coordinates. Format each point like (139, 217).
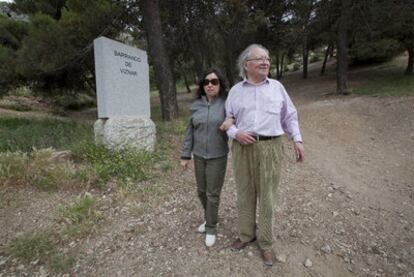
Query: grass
(21, 162)
(23, 91)
(40, 169)
(392, 85)
(32, 246)
(21, 134)
(137, 209)
(15, 106)
(61, 263)
(82, 217)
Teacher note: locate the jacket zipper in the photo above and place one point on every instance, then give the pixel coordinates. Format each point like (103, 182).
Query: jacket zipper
(208, 119)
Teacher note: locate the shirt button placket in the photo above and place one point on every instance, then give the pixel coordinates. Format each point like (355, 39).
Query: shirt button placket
(256, 109)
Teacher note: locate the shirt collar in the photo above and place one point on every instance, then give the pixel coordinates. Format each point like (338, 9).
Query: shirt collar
(246, 82)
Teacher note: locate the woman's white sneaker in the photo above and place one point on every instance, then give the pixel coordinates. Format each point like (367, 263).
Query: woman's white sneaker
(202, 228)
(210, 240)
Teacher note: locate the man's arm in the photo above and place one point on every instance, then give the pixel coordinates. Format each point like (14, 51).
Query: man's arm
(233, 132)
(290, 124)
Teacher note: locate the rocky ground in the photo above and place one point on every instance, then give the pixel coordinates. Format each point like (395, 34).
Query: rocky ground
(348, 210)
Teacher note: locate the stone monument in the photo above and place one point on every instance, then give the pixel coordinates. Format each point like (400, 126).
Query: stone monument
(122, 85)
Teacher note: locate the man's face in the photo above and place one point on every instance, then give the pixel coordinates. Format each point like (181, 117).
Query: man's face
(257, 65)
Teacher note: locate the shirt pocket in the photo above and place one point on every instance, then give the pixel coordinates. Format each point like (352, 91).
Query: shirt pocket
(272, 107)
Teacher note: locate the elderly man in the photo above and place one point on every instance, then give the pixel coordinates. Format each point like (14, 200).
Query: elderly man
(262, 112)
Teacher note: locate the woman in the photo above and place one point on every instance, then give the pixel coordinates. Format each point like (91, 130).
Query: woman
(208, 144)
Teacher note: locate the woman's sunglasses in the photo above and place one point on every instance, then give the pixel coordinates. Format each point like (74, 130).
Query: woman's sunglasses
(214, 82)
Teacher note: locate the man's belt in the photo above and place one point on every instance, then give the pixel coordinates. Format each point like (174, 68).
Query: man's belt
(259, 138)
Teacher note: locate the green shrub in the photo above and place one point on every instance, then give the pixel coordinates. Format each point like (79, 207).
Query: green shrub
(295, 66)
(82, 217)
(13, 168)
(124, 165)
(314, 59)
(73, 100)
(39, 246)
(20, 134)
(7, 69)
(32, 246)
(20, 91)
(62, 263)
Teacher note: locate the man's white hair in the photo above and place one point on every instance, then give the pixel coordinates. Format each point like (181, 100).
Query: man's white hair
(241, 61)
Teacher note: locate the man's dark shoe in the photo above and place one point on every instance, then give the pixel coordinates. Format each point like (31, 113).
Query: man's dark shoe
(239, 245)
(267, 257)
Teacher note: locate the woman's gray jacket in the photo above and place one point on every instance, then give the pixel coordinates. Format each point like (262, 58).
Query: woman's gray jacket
(203, 137)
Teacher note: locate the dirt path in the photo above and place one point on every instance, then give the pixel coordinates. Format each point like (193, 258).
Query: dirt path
(349, 207)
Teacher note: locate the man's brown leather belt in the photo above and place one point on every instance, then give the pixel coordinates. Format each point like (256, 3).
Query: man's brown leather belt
(259, 138)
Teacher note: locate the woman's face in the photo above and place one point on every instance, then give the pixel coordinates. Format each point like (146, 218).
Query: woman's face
(211, 85)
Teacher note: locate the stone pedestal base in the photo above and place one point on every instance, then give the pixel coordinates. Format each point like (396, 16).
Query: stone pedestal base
(126, 132)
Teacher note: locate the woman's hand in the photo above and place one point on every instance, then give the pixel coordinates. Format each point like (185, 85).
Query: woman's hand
(184, 163)
(226, 124)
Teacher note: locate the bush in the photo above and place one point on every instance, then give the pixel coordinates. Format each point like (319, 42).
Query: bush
(124, 165)
(295, 66)
(7, 71)
(61, 263)
(314, 58)
(376, 51)
(12, 33)
(72, 100)
(21, 91)
(13, 167)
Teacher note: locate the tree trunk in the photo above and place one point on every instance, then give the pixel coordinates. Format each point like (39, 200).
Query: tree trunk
(229, 72)
(342, 49)
(325, 60)
(163, 73)
(229, 61)
(187, 85)
(332, 50)
(305, 58)
(410, 65)
(277, 64)
(280, 69)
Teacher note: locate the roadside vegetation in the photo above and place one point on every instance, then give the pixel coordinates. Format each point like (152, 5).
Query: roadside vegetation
(54, 153)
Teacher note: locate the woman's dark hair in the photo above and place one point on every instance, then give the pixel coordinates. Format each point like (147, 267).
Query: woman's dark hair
(223, 86)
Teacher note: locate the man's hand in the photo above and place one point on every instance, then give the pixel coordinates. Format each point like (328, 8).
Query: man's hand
(244, 138)
(184, 163)
(299, 151)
